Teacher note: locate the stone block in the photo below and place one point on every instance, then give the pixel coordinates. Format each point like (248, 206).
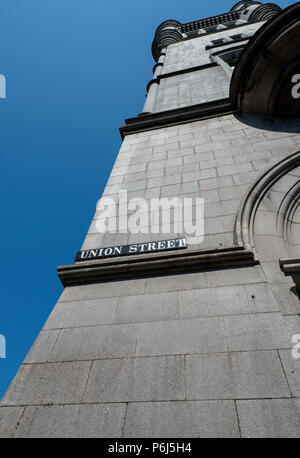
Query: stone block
(147, 307)
(9, 418)
(245, 177)
(219, 224)
(269, 418)
(216, 183)
(73, 421)
(202, 419)
(198, 335)
(82, 313)
(95, 342)
(230, 300)
(237, 375)
(103, 290)
(261, 298)
(137, 379)
(178, 282)
(42, 347)
(48, 383)
(201, 175)
(233, 192)
(260, 331)
(237, 276)
(216, 163)
(291, 367)
(234, 169)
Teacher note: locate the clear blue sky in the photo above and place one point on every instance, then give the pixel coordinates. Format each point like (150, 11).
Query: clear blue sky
(75, 69)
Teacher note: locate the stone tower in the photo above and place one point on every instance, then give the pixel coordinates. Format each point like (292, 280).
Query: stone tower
(190, 336)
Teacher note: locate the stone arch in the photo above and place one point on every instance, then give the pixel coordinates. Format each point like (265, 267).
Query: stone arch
(284, 178)
(268, 223)
(262, 81)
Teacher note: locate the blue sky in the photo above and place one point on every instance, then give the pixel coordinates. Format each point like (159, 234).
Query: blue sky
(75, 69)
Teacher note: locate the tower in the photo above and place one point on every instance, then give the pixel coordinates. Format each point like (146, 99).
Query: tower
(191, 332)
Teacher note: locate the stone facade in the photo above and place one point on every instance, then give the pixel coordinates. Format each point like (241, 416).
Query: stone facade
(204, 352)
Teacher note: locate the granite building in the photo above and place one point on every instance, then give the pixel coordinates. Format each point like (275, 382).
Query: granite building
(196, 341)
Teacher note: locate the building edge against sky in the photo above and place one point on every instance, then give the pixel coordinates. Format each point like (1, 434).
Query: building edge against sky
(194, 341)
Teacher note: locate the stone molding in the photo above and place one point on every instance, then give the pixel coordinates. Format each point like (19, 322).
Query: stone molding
(176, 116)
(148, 265)
(177, 73)
(291, 267)
(209, 22)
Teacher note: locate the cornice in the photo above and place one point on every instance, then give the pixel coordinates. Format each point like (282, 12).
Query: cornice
(186, 70)
(179, 72)
(149, 265)
(209, 21)
(177, 116)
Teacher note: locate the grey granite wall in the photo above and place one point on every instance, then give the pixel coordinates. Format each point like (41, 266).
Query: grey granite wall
(196, 355)
(200, 86)
(192, 88)
(216, 159)
(192, 53)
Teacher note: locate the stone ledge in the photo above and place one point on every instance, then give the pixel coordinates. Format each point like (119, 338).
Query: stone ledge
(177, 116)
(130, 267)
(291, 267)
(186, 70)
(178, 72)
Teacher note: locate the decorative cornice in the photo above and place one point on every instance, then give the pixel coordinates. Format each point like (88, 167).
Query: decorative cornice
(209, 22)
(172, 31)
(176, 116)
(147, 265)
